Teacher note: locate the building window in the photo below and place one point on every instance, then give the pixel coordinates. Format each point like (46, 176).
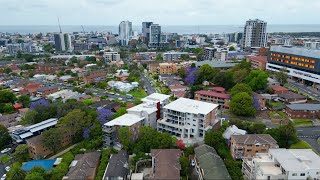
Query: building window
(294, 174)
(302, 174)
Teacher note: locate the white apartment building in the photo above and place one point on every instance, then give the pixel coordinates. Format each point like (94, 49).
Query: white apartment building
(125, 32)
(221, 55)
(312, 45)
(187, 118)
(255, 34)
(286, 164)
(111, 56)
(160, 100)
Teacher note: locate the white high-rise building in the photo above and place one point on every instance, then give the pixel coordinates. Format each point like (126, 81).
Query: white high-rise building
(255, 34)
(125, 32)
(62, 42)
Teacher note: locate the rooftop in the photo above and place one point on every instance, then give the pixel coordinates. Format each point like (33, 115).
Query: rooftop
(296, 51)
(166, 163)
(125, 120)
(214, 94)
(217, 64)
(279, 88)
(262, 59)
(118, 165)
(254, 139)
(309, 107)
(233, 130)
(292, 95)
(155, 97)
(191, 106)
(149, 108)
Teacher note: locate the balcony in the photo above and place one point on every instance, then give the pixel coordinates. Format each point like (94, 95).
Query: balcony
(108, 129)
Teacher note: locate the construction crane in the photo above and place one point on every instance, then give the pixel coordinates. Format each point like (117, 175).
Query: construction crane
(83, 30)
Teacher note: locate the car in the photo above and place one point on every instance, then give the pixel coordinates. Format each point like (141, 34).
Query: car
(7, 168)
(5, 150)
(193, 163)
(111, 93)
(118, 94)
(120, 99)
(263, 109)
(129, 96)
(4, 177)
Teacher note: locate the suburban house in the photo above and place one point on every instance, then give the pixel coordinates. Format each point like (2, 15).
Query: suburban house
(246, 146)
(292, 98)
(310, 111)
(90, 76)
(216, 95)
(232, 130)
(283, 164)
(165, 164)
(84, 166)
(118, 167)
(44, 91)
(31, 88)
(279, 90)
(209, 164)
(113, 106)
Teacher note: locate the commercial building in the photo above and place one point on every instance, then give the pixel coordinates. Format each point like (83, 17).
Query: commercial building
(246, 146)
(301, 64)
(289, 164)
(187, 118)
(312, 45)
(216, 95)
(235, 37)
(209, 164)
(125, 32)
(310, 111)
(258, 62)
(165, 164)
(118, 167)
(221, 55)
(172, 56)
(62, 42)
(146, 31)
(255, 34)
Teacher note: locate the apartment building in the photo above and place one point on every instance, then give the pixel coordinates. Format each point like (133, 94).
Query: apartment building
(258, 62)
(215, 95)
(246, 146)
(90, 76)
(288, 164)
(187, 118)
(208, 53)
(160, 100)
(255, 34)
(45, 91)
(163, 68)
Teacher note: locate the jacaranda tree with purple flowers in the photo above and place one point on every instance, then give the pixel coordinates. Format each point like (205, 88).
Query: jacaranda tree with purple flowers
(104, 115)
(87, 131)
(191, 75)
(41, 102)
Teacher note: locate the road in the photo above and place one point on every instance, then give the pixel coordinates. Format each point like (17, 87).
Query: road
(310, 91)
(310, 135)
(148, 85)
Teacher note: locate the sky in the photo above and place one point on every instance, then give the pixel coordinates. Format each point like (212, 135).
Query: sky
(164, 12)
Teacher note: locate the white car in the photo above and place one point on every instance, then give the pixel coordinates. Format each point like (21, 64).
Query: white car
(5, 150)
(263, 109)
(4, 177)
(193, 163)
(7, 168)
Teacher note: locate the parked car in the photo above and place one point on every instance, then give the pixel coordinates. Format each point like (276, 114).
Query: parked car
(129, 96)
(4, 177)
(263, 109)
(5, 150)
(7, 168)
(193, 163)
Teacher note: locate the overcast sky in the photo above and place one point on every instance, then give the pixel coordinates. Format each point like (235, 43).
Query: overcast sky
(165, 12)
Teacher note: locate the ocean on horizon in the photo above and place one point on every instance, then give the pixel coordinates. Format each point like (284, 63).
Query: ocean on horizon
(188, 29)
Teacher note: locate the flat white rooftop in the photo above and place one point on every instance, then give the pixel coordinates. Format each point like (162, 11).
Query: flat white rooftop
(191, 106)
(155, 97)
(149, 108)
(125, 120)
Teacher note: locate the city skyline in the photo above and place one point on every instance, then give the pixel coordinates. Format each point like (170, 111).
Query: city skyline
(180, 12)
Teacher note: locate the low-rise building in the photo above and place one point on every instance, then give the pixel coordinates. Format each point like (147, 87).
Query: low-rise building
(215, 95)
(209, 164)
(84, 166)
(290, 164)
(90, 76)
(232, 130)
(292, 98)
(279, 90)
(118, 167)
(44, 91)
(258, 62)
(310, 111)
(246, 146)
(259, 100)
(165, 164)
(163, 68)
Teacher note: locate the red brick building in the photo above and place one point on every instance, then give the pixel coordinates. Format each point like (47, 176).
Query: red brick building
(47, 68)
(258, 62)
(216, 95)
(90, 76)
(310, 111)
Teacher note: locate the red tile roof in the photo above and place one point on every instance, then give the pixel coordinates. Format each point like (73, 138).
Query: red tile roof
(17, 106)
(218, 89)
(213, 94)
(180, 93)
(262, 59)
(279, 88)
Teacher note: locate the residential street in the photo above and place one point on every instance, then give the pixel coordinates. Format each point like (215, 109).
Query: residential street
(148, 85)
(310, 91)
(310, 135)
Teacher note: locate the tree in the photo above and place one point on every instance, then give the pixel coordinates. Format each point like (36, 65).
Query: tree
(121, 111)
(182, 72)
(6, 108)
(240, 75)
(231, 48)
(104, 115)
(285, 135)
(242, 104)
(25, 100)
(5, 138)
(159, 57)
(194, 89)
(206, 73)
(7, 70)
(184, 162)
(16, 173)
(282, 76)
(30, 117)
(37, 173)
(21, 153)
(52, 139)
(224, 79)
(238, 88)
(191, 77)
(34, 176)
(102, 85)
(125, 136)
(7, 97)
(257, 80)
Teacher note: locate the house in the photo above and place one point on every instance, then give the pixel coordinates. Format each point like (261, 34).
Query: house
(178, 87)
(65, 95)
(118, 167)
(209, 164)
(165, 164)
(310, 111)
(232, 130)
(259, 100)
(217, 96)
(47, 68)
(44, 91)
(283, 164)
(113, 106)
(279, 90)
(9, 120)
(179, 94)
(31, 88)
(292, 98)
(246, 146)
(258, 62)
(84, 166)
(17, 106)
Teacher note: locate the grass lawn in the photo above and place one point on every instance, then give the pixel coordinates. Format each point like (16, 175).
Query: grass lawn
(276, 104)
(138, 93)
(302, 122)
(300, 145)
(277, 114)
(5, 159)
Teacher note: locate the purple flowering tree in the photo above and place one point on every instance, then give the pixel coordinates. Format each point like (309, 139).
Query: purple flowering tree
(40, 102)
(191, 75)
(87, 131)
(256, 104)
(104, 115)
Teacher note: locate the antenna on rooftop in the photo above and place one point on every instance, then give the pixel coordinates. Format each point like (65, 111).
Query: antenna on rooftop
(59, 25)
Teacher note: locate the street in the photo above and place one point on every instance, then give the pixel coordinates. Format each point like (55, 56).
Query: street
(310, 135)
(310, 91)
(148, 85)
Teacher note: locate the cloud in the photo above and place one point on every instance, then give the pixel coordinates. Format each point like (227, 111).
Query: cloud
(166, 12)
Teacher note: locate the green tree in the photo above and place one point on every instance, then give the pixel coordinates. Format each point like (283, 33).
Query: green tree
(206, 73)
(121, 111)
(257, 80)
(240, 75)
(185, 168)
(7, 97)
(125, 136)
(5, 138)
(34, 176)
(224, 79)
(21, 153)
(30, 117)
(194, 89)
(159, 57)
(16, 173)
(6, 108)
(238, 88)
(102, 85)
(242, 104)
(282, 76)
(7, 70)
(231, 48)
(242, 65)
(25, 100)
(182, 72)
(52, 139)
(285, 135)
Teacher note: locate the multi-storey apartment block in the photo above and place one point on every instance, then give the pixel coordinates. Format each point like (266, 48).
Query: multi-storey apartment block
(215, 95)
(187, 118)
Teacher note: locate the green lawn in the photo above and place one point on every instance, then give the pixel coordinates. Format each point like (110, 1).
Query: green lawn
(276, 104)
(5, 159)
(138, 93)
(277, 114)
(302, 122)
(301, 145)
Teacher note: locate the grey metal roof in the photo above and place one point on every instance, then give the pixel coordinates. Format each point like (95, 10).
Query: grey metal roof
(118, 165)
(297, 51)
(216, 64)
(309, 107)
